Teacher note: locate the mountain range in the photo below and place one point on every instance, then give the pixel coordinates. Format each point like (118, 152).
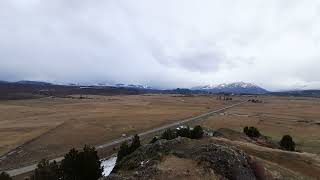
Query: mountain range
(24, 87)
(236, 88)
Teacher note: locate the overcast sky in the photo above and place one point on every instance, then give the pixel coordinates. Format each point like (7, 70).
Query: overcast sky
(163, 43)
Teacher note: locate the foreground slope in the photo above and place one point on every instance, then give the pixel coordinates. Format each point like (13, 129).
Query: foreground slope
(215, 158)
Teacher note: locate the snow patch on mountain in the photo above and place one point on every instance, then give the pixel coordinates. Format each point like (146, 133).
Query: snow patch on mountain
(237, 88)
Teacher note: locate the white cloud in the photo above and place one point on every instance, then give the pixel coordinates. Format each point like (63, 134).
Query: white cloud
(162, 43)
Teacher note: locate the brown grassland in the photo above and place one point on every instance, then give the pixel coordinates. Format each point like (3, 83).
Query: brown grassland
(48, 127)
(275, 117)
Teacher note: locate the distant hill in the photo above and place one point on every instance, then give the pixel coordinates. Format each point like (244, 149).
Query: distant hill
(236, 88)
(34, 89)
(33, 83)
(135, 86)
(305, 93)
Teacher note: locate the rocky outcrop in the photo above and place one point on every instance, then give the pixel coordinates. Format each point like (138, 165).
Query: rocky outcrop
(222, 160)
(226, 161)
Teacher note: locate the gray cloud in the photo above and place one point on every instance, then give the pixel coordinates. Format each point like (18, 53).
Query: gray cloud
(162, 43)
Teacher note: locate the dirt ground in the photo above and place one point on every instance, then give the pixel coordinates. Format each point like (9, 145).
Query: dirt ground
(275, 117)
(172, 167)
(278, 163)
(48, 127)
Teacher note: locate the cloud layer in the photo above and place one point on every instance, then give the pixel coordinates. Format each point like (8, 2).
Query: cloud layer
(180, 43)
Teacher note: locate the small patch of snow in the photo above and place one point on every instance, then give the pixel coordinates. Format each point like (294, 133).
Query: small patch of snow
(108, 165)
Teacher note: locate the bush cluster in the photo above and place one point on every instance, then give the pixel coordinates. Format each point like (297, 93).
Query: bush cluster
(254, 101)
(125, 149)
(195, 133)
(184, 132)
(287, 143)
(154, 139)
(251, 131)
(76, 165)
(47, 171)
(168, 134)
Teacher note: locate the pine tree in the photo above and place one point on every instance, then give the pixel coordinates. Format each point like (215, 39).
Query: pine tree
(46, 171)
(123, 151)
(197, 132)
(81, 165)
(135, 143)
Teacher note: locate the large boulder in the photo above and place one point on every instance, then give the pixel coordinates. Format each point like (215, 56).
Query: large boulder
(226, 161)
(222, 160)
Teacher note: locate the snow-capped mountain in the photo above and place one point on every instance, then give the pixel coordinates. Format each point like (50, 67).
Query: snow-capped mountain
(136, 86)
(119, 85)
(237, 88)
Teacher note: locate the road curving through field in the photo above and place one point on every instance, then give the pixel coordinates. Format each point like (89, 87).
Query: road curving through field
(29, 168)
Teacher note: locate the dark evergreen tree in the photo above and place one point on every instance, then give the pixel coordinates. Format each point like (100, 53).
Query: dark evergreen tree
(251, 132)
(135, 143)
(123, 151)
(197, 132)
(81, 165)
(168, 134)
(90, 165)
(70, 165)
(245, 130)
(287, 143)
(46, 171)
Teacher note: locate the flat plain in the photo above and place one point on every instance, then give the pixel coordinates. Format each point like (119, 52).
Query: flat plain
(49, 127)
(275, 117)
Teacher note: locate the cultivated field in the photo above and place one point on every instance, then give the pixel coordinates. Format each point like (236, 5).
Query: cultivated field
(48, 127)
(275, 117)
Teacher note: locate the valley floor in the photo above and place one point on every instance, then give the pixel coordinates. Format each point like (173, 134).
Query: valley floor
(48, 127)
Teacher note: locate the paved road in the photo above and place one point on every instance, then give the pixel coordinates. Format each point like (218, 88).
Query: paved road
(26, 169)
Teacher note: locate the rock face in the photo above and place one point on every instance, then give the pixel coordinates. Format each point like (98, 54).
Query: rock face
(226, 161)
(214, 160)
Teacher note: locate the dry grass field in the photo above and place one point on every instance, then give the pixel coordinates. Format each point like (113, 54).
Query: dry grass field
(49, 127)
(278, 163)
(275, 117)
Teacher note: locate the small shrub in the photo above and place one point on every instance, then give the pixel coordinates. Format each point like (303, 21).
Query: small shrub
(287, 143)
(154, 139)
(5, 176)
(245, 130)
(46, 171)
(251, 131)
(126, 150)
(197, 132)
(168, 134)
(184, 132)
